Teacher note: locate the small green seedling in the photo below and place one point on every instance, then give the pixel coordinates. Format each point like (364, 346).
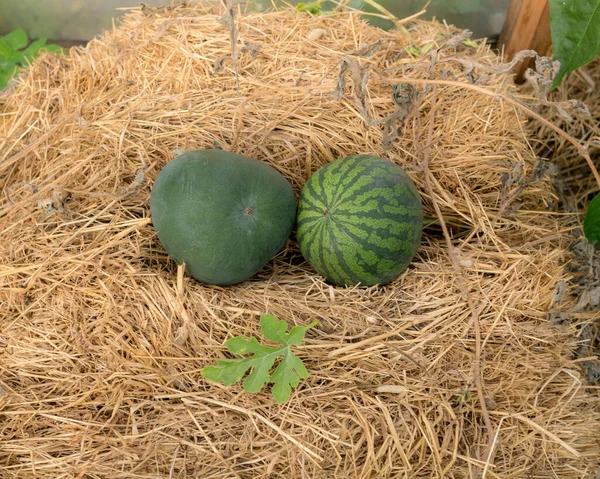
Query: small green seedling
(470, 43)
(311, 7)
(286, 376)
(15, 53)
(416, 50)
(413, 49)
(463, 397)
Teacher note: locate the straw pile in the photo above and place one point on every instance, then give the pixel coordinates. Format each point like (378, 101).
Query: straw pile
(577, 186)
(452, 370)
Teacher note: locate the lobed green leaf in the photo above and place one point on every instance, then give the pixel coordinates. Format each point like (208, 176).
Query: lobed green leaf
(286, 376)
(12, 56)
(15, 40)
(311, 7)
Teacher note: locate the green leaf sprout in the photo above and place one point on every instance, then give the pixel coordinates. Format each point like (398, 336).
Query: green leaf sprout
(575, 30)
(14, 53)
(286, 376)
(311, 7)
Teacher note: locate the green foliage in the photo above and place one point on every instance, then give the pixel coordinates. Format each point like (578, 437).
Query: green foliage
(311, 7)
(470, 43)
(463, 397)
(15, 53)
(415, 50)
(591, 224)
(575, 28)
(288, 373)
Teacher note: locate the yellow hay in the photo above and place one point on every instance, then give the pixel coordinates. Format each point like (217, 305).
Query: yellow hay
(578, 186)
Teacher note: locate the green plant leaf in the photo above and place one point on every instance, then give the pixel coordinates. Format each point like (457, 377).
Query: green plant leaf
(286, 376)
(11, 55)
(311, 7)
(7, 71)
(16, 39)
(33, 50)
(591, 224)
(470, 43)
(52, 48)
(427, 48)
(10, 63)
(413, 49)
(575, 30)
(5, 51)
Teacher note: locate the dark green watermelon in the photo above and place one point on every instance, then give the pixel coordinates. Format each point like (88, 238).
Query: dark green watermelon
(222, 214)
(360, 221)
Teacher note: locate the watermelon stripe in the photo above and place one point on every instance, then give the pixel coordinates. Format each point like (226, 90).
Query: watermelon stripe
(381, 233)
(360, 217)
(313, 197)
(346, 265)
(328, 268)
(318, 191)
(380, 250)
(321, 251)
(360, 190)
(350, 228)
(309, 222)
(349, 191)
(383, 208)
(306, 200)
(374, 225)
(348, 168)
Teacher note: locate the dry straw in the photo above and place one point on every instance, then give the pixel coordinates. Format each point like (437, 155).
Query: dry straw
(452, 370)
(577, 186)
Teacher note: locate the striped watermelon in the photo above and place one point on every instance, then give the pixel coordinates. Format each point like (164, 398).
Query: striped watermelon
(360, 221)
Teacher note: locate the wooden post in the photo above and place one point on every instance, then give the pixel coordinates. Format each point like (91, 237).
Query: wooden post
(527, 27)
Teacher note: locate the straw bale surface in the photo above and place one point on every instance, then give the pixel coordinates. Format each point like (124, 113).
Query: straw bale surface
(577, 186)
(102, 342)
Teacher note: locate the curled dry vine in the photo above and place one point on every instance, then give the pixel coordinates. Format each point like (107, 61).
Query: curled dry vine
(582, 150)
(541, 79)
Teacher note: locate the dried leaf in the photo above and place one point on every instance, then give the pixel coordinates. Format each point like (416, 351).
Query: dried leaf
(457, 38)
(360, 78)
(253, 49)
(228, 21)
(404, 96)
(138, 181)
(368, 50)
(559, 292)
(56, 203)
(219, 63)
(338, 93)
(542, 168)
(316, 34)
